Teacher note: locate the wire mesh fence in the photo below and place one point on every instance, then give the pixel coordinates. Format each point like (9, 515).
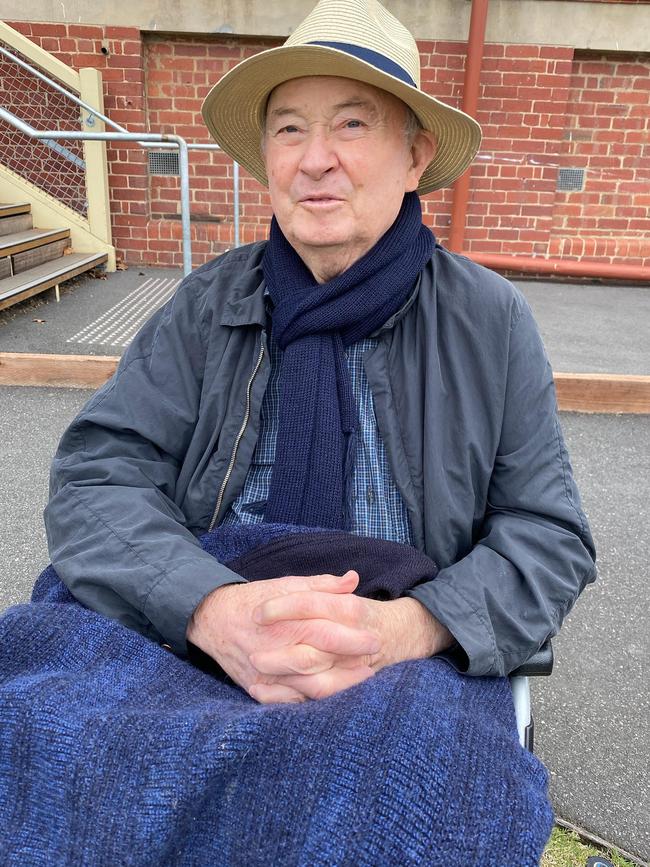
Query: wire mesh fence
(57, 168)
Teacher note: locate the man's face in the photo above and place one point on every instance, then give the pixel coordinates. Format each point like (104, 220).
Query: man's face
(338, 164)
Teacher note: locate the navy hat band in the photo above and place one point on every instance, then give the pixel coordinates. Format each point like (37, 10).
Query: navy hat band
(374, 58)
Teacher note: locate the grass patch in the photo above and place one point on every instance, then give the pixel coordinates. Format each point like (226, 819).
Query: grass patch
(565, 849)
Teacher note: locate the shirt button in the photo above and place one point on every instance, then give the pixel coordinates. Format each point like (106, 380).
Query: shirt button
(370, 495)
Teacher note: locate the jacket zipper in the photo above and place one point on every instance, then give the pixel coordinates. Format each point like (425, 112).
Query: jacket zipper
(237, 440)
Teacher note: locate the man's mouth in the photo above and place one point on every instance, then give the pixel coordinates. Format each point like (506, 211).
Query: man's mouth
(320, 200)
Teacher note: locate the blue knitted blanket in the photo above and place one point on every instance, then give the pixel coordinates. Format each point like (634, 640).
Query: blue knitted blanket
(115, 752)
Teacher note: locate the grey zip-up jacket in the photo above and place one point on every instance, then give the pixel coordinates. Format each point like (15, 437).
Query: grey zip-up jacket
(465, 404)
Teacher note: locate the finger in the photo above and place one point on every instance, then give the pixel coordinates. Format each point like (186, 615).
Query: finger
(338, 638)
(326, 683)
(294, 659)
(345, 583)
(309, 605)
(270, 693)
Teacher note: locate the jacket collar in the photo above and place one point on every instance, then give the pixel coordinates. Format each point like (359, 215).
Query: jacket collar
(250, 304)
(403, 309)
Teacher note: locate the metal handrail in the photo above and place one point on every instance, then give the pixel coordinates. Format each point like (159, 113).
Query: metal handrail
(62, 90)
(123, 136)
(143, 139)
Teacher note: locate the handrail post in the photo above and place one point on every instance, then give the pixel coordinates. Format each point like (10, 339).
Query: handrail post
(184, 168)
(235, 183)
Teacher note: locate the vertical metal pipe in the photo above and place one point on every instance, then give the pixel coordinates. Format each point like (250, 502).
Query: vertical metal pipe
(235, 183)
(184, 168)
(475, 45)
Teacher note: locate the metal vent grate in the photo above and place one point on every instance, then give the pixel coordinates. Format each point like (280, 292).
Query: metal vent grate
(163, 162)
(570, 180)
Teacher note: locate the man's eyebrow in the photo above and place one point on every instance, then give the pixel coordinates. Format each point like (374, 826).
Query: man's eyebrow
(283, 111)
(356, 103)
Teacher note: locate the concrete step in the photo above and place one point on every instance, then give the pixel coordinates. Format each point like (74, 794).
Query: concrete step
(45, 276)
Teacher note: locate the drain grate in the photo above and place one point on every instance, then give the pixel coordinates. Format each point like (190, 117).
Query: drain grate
(570, 180)
(163, 163)
(118, 325)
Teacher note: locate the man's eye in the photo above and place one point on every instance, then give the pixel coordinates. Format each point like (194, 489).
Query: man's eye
(354, 124)
(289, 128)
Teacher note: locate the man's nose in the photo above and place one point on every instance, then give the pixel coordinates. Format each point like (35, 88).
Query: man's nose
(319, 154)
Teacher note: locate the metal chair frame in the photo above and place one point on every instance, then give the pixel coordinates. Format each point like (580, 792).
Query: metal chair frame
(540, 664)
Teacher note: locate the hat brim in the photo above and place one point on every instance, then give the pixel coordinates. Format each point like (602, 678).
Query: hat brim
(233, 110)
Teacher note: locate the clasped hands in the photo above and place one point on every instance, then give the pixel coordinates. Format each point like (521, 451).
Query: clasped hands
(295, 638)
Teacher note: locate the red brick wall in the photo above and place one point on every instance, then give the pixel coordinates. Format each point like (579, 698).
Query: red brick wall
(540, 109)
(608, 135)
(524, 91)
(179, 74)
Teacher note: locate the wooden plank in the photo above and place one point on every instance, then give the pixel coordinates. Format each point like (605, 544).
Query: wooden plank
(19, 208)
(33, 283)
(38, 256)
(577, 392)
(21, 241)
(16, 223)
(603, 392)
(64, 371)
(23, 295)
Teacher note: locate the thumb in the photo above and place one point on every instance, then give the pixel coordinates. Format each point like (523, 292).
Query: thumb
(345, 583)
(325, 583)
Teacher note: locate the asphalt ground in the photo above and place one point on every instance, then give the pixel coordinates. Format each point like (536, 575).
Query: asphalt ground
(593, 714)
(586, 328)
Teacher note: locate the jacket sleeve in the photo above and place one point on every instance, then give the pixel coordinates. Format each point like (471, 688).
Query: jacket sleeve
(534, 553)
(116, 536)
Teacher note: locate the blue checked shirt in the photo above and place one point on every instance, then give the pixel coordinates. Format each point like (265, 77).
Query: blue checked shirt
(378, 508)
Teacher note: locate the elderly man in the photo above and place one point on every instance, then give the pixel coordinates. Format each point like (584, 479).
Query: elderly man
(349, 374)
(327, 454)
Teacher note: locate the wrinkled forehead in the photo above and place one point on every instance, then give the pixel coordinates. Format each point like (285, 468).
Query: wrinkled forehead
(326, 90)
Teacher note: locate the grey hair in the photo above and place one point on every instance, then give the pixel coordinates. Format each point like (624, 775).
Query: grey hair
(412, 125)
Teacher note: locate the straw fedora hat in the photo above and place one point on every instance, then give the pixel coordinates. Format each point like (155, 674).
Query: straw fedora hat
(357, 39)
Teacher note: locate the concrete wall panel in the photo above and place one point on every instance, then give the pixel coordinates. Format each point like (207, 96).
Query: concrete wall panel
(577, 24)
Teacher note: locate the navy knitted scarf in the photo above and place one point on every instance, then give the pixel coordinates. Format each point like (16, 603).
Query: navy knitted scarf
(313, 323)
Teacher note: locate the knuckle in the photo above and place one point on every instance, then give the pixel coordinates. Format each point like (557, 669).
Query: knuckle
(322, 688)
(307, 659)
(324, 634)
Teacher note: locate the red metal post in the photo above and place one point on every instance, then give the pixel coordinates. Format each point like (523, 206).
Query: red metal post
(473, 63)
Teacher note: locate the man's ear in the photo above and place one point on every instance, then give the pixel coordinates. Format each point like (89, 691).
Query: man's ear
(423, 149)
